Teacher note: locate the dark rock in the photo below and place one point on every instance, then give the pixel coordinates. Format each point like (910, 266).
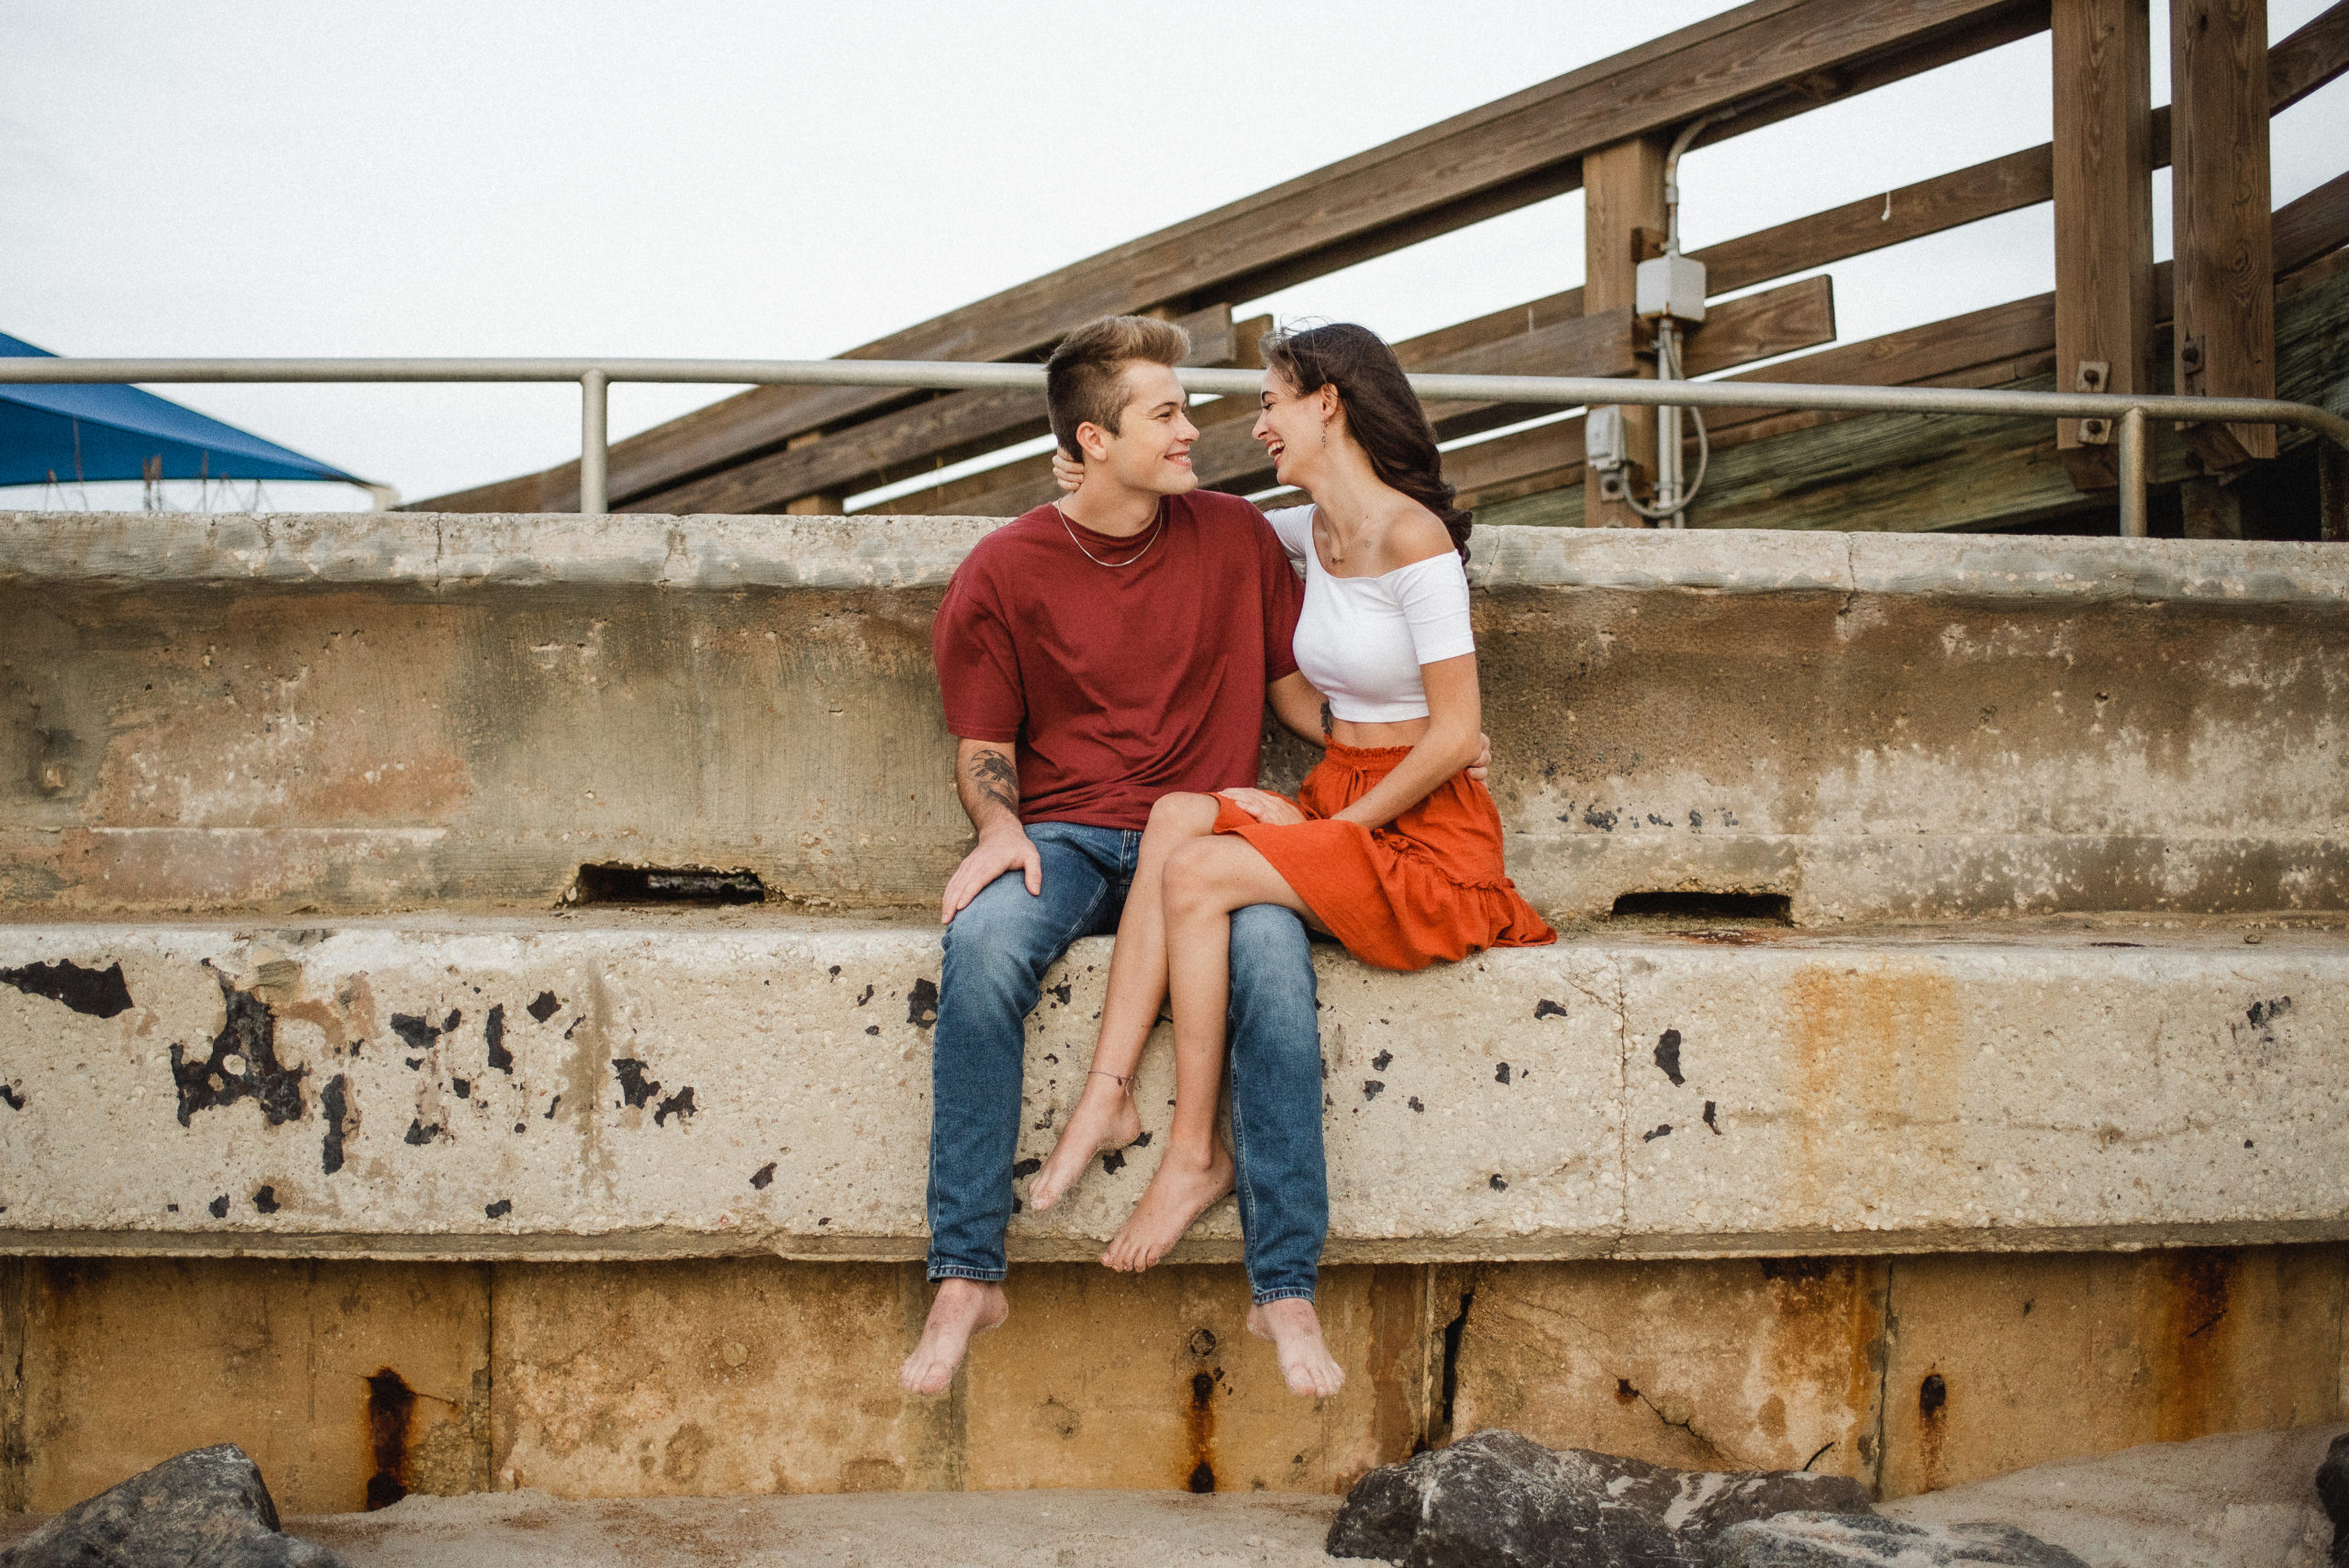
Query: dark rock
(1866, 1541)
(207, 1508)
(1501, 1499)
(2332, 1490)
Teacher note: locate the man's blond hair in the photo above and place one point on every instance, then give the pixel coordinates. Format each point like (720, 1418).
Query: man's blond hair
(1083, 382)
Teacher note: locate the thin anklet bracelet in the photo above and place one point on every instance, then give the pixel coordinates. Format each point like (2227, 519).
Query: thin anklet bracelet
(1125, 1081)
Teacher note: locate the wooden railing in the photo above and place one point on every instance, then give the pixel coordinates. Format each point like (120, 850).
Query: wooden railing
(806, 449)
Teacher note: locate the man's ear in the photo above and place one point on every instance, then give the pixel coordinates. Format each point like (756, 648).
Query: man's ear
(1093, 442)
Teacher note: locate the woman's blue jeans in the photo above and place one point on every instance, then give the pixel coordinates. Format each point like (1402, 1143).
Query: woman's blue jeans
(996, 952)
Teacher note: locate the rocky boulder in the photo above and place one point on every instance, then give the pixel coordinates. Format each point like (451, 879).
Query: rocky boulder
(1500, 1500)
(207, 1508)
(2332, 1490)
(1866, 1541)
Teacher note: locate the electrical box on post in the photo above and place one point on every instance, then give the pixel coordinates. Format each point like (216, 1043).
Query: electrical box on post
(1605, 443)
(1671, 286)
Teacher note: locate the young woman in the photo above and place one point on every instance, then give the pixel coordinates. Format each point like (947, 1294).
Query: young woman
(1390, 847)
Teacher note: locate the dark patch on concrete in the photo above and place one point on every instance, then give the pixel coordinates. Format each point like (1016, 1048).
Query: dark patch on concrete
(1497, 1184)
(462, 1087)
(249, 1036)
(391, 1411)
(493, 1034)
(1372, 1088)
(1932, 1395)
(265, 1199)
(499, 1210)
(1026, 1168)
(1203, 1341)
(1697, 820)
(545, 1006)
(1114, 1161)
(1380, 1063)
(1063, 991)
(2259, 1026)
(1199, 1422)
(334, 1109)
(1448, 1385)
(635, 1087)
(97, 993)
(764, 1177)
(1500, 1072)
(420, 1032)
(419, 1135)
(1143, 1141)
(1603, 820)
(679, 1105)
(1546, 1008)
(872, 1028)
(2116, 944)
(1709, 1121)
(1663, 1130)
(220, 1207)
(921, 1003)
(1667, 1056)
(1414, 1103)
(1044, 1122)
(864, 997)
(551, 1106)
(12, 1096)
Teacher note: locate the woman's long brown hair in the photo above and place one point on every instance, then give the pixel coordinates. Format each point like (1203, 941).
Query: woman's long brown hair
(1382, 412)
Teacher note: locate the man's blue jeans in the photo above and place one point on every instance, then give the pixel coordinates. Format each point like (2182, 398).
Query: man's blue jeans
(996, 952)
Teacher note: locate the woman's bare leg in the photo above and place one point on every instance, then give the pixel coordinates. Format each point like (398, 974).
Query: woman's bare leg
(1205, 880)
(1104, 1116)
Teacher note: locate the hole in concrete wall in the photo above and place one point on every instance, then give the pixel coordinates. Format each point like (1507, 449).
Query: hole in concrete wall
(664, 884)
(1747, 908)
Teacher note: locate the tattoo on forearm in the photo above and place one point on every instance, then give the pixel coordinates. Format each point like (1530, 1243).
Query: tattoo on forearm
(994, 777)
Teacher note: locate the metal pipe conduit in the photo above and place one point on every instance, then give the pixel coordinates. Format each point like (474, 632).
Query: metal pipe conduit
(595, 376)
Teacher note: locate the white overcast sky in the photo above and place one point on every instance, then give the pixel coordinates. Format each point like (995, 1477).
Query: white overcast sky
(786, 180)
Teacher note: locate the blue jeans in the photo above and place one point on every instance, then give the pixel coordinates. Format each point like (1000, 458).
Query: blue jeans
(996, 952)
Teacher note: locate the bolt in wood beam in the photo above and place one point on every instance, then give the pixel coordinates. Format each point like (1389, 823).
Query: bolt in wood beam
(2220, 225)
(2104, 219)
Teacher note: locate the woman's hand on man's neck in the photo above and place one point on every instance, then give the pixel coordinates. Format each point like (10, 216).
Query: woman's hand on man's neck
(1106, 506)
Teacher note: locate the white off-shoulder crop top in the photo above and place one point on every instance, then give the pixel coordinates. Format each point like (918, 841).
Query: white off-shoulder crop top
(1362, 639)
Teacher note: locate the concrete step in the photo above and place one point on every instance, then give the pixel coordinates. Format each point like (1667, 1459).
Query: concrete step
(615, 1085)
(355, 713)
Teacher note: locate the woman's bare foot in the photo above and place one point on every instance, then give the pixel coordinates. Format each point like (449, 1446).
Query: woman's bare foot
(1294, 1330)
(963, 1308)
(1178, 1194)
(1102, 1122)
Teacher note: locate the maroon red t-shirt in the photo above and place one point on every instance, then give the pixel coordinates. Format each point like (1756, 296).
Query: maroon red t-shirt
(1120, 684)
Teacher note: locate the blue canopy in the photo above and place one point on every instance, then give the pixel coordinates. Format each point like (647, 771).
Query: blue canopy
(69, 433)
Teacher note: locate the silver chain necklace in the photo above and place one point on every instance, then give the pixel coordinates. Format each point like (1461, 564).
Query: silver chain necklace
(1158, 527)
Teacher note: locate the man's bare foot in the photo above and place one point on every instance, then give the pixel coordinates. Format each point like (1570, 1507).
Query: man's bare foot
(1178, 1194)
(1100, 1122)
(1294, 1330)
(963, 1308)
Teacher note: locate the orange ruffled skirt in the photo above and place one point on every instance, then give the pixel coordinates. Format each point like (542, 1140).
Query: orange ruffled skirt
(1429, 884)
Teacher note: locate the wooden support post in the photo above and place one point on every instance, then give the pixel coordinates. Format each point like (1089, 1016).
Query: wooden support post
(2104, 219)
(2220, 225)
(823, 504)
(1622, 214)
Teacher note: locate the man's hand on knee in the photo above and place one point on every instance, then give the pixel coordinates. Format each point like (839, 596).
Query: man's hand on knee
(999, 850)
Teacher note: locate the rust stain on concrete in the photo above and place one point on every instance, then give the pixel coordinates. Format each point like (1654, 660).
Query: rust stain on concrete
(2189, 1334)
(1877, 1042)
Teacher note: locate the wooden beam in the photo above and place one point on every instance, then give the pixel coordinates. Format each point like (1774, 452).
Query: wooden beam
(2221, 237)
(1503, 154)
(2104, 219)
(1622, 193)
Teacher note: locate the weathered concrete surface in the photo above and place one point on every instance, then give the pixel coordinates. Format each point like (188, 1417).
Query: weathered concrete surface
(329, 1374)
(1914, 1374)
(357, 713)
(2241, 1500)
(510, 1086)
(703, 1377)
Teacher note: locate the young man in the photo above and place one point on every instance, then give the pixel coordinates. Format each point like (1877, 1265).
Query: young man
(1094, 656)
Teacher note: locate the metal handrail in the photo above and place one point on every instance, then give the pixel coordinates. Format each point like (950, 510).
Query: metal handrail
(2128, 412)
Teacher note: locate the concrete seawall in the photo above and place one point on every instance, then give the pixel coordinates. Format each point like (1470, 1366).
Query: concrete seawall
(2006, 1125)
